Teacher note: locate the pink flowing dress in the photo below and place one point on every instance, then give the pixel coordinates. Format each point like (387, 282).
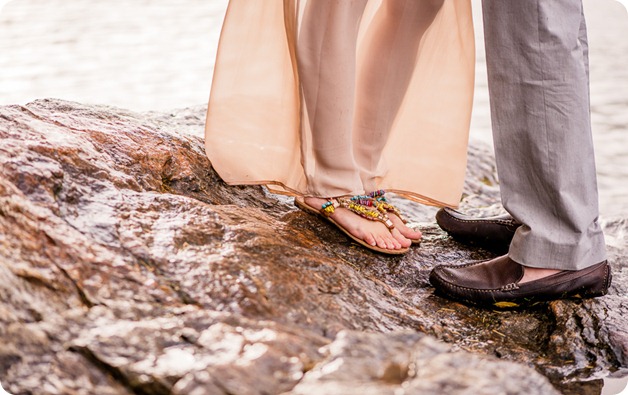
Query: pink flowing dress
(311, 102)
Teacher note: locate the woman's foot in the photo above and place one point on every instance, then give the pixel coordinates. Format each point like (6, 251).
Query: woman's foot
(373, 233)
(379, 199)
(405, 230)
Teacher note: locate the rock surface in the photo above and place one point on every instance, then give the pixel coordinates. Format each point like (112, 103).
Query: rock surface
(128, 267)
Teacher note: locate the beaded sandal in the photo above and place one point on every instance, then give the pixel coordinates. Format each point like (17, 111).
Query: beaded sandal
(354, 205)
(378, 200)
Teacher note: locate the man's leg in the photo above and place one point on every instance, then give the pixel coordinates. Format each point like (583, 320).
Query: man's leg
(537, 63)
(536, 54)
(494, 233)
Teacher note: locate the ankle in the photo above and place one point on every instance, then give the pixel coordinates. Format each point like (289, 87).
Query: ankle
(535, 273)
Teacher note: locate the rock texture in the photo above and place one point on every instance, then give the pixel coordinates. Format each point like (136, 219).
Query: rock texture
(128, 267)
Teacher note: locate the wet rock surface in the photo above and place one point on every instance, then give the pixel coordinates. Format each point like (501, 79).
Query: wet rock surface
(128, 267)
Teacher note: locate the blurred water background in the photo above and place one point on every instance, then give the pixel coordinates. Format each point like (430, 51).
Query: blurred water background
(158, 55)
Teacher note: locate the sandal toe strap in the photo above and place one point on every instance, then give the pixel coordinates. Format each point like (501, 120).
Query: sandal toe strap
(358, 205)
(380, 202)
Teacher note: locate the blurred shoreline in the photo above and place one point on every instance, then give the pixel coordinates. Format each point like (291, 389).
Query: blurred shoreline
(158, 55)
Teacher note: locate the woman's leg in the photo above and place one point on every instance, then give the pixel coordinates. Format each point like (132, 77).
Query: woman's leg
(326, 53)
(391, 47)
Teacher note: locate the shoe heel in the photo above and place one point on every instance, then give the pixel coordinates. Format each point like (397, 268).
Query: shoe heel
(602, 289)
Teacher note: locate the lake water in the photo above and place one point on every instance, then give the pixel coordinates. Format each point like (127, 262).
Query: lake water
(158, 55)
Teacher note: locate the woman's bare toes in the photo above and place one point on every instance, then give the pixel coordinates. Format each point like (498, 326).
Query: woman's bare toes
(410, 233)
(370, 240)
(406, 231)
(391, 243)
(401, 239)
(381, 243)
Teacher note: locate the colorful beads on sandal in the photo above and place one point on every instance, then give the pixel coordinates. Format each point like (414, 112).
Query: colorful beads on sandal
(364, 210)
(377, 194)
(373, 206)
(381, 203)
(363, 200)
(361, 205)
(328, 208)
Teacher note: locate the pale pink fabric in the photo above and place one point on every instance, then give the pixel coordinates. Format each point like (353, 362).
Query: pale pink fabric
(339, 97)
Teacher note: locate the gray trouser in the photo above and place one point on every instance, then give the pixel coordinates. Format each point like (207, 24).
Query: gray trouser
(537, 59)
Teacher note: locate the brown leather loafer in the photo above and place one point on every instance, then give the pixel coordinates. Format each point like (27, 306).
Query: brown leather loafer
(496, 283)
(492, 233)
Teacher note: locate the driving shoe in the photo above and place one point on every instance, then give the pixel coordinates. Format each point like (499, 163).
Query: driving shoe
(496, 283)
(492, 233)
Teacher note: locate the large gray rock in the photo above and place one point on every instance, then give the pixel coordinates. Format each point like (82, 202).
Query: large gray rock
(410, 363)
(128, 267)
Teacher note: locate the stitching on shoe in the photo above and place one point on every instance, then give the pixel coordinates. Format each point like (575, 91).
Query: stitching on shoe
(466, 288)
(509, 287)
(485, 221)
(464, 264)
